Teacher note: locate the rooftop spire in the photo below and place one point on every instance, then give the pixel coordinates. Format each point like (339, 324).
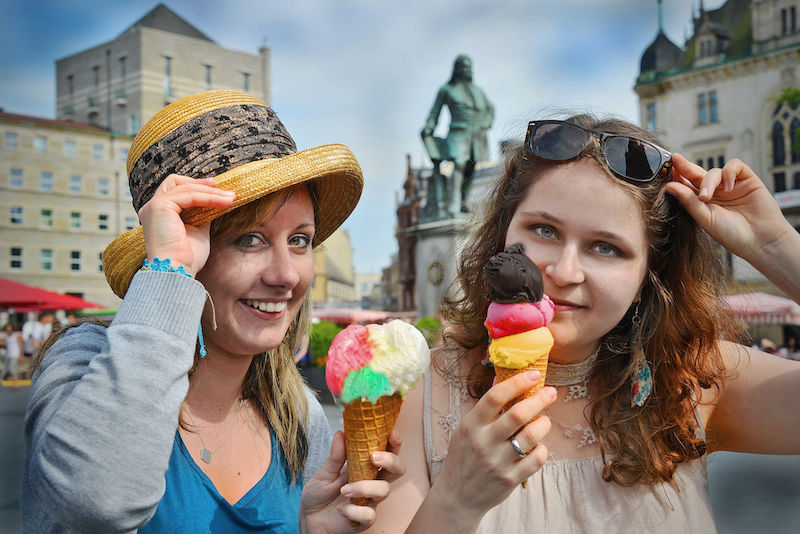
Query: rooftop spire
(660, 17)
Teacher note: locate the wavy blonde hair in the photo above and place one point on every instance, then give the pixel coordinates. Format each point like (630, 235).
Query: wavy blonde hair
(681, 321)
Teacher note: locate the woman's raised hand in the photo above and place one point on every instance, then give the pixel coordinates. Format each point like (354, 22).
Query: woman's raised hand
(732, 204)
(482, 466)
(325, 506)
(166, 235)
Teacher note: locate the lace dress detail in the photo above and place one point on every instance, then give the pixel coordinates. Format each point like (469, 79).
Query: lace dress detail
(567, 495)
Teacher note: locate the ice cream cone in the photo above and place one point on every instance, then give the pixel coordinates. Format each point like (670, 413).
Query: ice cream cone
(504, 373)
(366, 430)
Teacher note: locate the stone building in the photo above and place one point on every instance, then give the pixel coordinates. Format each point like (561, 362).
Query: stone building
(120, 84)
(63, 183)
(407, 217)
(63, 196)
(334, 275)
(714, 98)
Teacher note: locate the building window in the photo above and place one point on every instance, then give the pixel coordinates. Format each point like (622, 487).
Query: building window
(794, 140)
(96, 76)
(11, 140)
(134, 125)
(796, 181)
(780, 181)
(167, 77)
(778, 148)
(71, 85)
(47, 259)
(123, 154)
(710, 163)
(15, 179)
(720, 161)
(130, 223)
(70, 149)
(712, 106)
(75, 260)
(40, 144)
(245, 81)
(15, 257)
(46, 218)
(650, 117)
(102, 186)
(75, 183)
(16, 215)
(75, 220)
(122, 70)
(707, 110)
(46, 181)
(97, 151)
(784, 21)
(100, 262)
(102, 221)
(208, 77)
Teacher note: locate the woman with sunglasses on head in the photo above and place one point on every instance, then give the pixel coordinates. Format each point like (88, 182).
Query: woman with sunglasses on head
(643, 382)
(187, 413)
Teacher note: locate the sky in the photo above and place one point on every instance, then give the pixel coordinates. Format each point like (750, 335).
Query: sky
(365, 72)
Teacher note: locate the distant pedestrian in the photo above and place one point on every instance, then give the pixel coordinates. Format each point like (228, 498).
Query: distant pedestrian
(13, 341)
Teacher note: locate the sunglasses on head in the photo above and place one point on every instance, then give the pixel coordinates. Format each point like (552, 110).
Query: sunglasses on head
(629, 157)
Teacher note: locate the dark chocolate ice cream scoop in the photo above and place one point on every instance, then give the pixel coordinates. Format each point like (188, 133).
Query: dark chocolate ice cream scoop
(512, 277)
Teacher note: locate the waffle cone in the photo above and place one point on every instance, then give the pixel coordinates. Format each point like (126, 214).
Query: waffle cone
(366, 430)
(504, 373)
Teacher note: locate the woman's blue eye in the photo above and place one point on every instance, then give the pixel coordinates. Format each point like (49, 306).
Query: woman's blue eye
(607, 250)
(544, 231)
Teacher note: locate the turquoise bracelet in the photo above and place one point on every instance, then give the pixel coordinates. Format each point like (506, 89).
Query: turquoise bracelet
(165, 266)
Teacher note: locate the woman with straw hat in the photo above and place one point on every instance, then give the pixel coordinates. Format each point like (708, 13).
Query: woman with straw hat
(187, 413)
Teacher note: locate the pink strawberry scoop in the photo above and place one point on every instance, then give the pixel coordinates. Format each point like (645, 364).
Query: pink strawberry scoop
(507, 319)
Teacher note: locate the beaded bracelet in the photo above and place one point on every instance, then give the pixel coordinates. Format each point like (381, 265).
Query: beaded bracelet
(166, 267)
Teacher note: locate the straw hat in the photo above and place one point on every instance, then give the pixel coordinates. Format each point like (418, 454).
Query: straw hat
(236, 138)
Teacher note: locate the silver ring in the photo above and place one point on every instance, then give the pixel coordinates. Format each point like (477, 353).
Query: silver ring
(517, 448)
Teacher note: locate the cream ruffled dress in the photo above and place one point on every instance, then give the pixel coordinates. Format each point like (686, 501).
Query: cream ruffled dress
(568, 495)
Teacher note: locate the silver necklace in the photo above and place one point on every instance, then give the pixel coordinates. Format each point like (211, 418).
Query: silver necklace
(568, 374)
(206, 453)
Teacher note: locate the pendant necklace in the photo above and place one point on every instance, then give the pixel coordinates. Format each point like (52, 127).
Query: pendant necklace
(206, 453)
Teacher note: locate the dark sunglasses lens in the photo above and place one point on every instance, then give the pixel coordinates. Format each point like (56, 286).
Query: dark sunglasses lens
(557, 141)
(632, 158)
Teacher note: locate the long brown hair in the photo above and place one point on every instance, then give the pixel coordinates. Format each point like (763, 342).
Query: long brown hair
(681, 321)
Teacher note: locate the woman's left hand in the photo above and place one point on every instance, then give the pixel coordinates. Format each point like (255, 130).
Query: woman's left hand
(732, 204)
(325, 504)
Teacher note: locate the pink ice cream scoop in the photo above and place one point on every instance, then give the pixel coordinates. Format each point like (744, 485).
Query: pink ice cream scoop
(507, 319)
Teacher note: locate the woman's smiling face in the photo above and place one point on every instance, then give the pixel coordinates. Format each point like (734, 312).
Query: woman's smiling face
(258, 279)
(585, 232)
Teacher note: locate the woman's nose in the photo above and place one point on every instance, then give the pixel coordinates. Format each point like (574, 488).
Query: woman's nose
(281, 269)
(565, 269)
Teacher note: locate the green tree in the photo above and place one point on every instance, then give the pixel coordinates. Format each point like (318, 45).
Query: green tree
(430, 327)
(322, 334)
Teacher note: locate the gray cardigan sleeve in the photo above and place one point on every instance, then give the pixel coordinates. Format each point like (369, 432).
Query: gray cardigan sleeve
(103, 410)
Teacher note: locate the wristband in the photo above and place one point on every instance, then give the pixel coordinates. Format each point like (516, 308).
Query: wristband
(166, 267)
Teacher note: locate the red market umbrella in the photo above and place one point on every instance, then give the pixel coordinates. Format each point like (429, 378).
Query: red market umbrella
(22, 298)
(762, 308)
(345, 316)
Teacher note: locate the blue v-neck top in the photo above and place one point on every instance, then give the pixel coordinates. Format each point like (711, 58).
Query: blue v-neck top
(191, 503)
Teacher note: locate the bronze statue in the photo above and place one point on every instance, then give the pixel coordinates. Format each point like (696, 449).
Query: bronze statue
(471, 116)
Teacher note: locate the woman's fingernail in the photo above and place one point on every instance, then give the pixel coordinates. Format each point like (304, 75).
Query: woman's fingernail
(378, 456)
(704, 192)
(534, 376)
(550, 391)
(346, 490)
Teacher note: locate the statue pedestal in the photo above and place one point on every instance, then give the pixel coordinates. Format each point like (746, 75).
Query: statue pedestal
(437, 246)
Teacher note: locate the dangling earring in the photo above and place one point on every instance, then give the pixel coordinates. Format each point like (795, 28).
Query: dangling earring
(642, 378)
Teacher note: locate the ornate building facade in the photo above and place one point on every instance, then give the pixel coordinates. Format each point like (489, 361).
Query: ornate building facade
(718, 96)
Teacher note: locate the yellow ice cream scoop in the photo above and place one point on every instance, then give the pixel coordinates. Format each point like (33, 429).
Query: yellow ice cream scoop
(521, 350)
